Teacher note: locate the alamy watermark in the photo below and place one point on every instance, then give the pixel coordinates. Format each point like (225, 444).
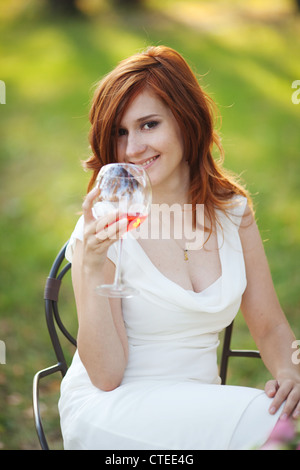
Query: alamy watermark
(2, 92)
(296, 94)
(2, 352)
(296, 354)
(164, 222)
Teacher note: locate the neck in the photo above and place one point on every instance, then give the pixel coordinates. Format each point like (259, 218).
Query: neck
(175, 191)
(169, 198)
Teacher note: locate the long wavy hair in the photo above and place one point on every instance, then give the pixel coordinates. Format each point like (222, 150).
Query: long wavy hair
(166, 73)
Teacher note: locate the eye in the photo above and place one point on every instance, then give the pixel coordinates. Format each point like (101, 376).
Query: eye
(121, 132)
(150, 125)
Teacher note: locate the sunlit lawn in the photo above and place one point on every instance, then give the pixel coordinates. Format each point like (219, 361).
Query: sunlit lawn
(49, 66)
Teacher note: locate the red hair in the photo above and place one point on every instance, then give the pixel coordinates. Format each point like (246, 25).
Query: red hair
(166, 73)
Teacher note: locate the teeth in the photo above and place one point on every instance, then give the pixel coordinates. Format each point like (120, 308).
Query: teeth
(149, 161)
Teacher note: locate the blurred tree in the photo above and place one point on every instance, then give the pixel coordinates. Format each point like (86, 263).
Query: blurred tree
(129, 3)
(70, 7)
(67, 7)
(298, 4)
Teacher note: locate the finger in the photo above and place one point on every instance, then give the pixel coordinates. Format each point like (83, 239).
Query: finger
(88, 205)
(271, 388)
(105, 220)
(113, 230)
(292, 404)
(296, 413)
(281, 395)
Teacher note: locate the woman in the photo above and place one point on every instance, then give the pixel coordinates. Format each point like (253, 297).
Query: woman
(145, 373)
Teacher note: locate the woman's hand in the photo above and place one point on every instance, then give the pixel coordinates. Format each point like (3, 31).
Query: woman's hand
(99, 233)
(288, 391)
(102, 338)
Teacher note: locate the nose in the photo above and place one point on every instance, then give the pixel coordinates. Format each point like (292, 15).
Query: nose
(135, 146)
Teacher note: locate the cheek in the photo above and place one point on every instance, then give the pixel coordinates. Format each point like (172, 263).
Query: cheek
(175, 148)
(178, 138)
(174, 141)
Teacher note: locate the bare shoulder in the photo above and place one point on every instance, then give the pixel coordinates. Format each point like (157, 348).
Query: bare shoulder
(259, 299)
(249, 233)
(253, 248)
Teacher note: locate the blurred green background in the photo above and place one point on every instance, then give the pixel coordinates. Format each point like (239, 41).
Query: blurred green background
(246, 54)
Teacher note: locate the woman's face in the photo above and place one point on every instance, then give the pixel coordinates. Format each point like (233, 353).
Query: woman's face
(150, 136)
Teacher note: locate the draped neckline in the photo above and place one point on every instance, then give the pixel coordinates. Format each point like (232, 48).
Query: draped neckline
(157, 272)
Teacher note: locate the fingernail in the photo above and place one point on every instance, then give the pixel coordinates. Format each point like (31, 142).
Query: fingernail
(272, 410)
(284, 417)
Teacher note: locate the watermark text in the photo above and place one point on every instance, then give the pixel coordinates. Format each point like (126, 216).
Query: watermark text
(163, 222)
(296, 94)
(2, 352)
(296, 354)
(2, 92)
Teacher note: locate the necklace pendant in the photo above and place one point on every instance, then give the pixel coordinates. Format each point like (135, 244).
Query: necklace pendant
(186, 258)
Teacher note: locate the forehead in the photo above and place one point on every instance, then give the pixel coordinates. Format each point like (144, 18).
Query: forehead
(145, 103)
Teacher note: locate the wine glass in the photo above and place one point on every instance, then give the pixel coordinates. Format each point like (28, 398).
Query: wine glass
(125, 187)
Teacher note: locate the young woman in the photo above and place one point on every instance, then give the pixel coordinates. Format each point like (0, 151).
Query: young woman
(145, 373)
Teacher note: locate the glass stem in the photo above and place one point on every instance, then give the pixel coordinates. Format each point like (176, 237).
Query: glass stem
(117, 280)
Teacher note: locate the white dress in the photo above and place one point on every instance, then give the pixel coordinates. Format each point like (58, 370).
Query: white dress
(170, 396)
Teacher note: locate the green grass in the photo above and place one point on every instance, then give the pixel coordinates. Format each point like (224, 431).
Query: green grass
(247, 62)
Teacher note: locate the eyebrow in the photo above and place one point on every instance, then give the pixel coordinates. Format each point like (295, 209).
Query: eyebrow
(149, 116)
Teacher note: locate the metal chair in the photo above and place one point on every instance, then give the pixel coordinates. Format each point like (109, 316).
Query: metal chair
(55, 324)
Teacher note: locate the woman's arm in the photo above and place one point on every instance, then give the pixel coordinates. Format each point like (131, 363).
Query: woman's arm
(268, 324)
(102, 340)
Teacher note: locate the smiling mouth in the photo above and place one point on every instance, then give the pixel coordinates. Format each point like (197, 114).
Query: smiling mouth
(150, 160)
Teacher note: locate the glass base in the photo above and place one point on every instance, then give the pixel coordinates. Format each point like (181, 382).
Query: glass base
(111, 290)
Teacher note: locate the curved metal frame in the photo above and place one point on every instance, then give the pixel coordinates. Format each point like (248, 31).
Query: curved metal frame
(54, 323)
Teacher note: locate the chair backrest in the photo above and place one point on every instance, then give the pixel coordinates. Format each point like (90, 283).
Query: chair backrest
(55, 324)
(53, 318)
